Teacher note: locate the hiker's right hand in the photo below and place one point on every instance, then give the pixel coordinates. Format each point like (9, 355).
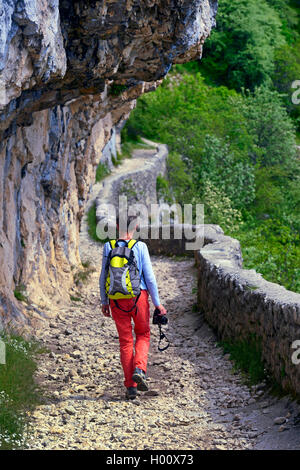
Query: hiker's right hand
(105, 310)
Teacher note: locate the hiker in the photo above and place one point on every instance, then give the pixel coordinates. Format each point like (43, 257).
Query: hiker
(122, 310)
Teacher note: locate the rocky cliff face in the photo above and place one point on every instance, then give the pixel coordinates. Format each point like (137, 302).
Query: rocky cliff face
(69, 72)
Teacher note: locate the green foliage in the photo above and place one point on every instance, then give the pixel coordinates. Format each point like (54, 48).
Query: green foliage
(19, 393)
(82, 276)
(247, 357)
(75, 299)
(92, 223)
(240, 51)
(101, 172)
(272, 248)
(181, 185)
(231, 177)
(218, 208)
(181, 116)
(116, 161)
(128, 189)
(272, 130)
(278, 192)
(19, 293)
(163, 189)
(286, 71)
(116, 89)
(86, 264)
(289, 15)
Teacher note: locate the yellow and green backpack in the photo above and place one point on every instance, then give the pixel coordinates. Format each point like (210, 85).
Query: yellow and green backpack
(122, 273)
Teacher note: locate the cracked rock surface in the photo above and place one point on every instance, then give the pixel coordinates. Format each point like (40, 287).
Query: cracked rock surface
(70, 72)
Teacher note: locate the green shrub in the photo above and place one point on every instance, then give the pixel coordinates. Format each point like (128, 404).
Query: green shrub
(272, 248)
(181, 184)
(232, 177)
(19, 392)
(92, 224)
(247, 357)
(82, 276)
(101, 172)
(163, 189)
(75, 299)
(286, 71)
(235, 152)
(272, 130)
(218, 208)
(116, 89)
(127, 188)
(19, 293)
(240, 51)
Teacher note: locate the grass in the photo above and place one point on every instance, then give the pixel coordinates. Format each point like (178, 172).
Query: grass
(251, 287)
(82, 276)
(75, 299)
(92, 224)
(128, 189)
(19, 293)
(19, 392)
(247, 357)
(116, 90)
(86, 264)
(101, 172)
(129, 146)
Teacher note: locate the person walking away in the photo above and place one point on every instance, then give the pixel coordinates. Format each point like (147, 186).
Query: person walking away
(134, 357)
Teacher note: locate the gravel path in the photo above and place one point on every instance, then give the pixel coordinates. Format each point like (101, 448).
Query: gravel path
(88, 409)
(194, 402)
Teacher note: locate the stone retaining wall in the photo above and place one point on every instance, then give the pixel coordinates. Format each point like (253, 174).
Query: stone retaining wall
(239, 303)
(136, 179)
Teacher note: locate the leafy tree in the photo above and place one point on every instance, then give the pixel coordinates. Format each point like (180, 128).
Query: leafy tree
(272, 130)
(289, 15)
(240, 52)
(218, 207)
(220, 166)
(272, 248)
(286, 71)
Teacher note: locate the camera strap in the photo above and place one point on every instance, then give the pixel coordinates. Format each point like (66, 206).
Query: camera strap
(161, 337)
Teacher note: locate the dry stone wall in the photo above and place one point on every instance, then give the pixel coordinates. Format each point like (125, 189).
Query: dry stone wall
(135, 179)
(239, 303)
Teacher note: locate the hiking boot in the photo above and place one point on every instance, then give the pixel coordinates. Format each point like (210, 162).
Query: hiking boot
(131, 393)
(139, 377)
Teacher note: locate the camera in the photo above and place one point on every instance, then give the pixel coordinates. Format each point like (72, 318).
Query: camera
(159, 319)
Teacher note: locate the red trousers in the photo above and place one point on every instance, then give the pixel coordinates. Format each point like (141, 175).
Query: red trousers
(133, 356)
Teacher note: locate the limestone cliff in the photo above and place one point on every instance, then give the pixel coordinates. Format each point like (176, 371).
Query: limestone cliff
(69, 72)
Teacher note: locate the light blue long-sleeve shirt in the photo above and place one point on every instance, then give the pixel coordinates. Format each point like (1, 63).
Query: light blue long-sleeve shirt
(143, 261)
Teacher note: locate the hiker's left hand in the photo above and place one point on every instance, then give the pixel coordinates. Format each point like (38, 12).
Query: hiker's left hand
(162, 310)
(105, 310)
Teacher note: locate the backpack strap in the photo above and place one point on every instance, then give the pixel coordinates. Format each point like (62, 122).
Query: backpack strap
(112, 243)
(131, 243)
(115, 243)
